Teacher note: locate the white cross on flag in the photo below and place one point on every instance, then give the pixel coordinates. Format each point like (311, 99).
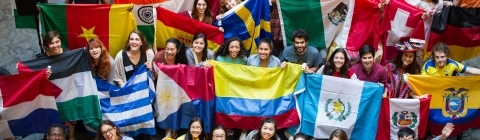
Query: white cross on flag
(402, 21)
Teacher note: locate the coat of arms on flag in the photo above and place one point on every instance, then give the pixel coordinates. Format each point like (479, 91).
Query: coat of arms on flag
(340, 110)
(455, 102)
(405, 119)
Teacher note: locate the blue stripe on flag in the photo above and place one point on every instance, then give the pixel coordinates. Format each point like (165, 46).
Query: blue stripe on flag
(135, 120)
(129, 89)
(312, 95)
(37, 121)
(256, 107)
(150, 131)
(368, 112)
(188, 110)
(108, 108)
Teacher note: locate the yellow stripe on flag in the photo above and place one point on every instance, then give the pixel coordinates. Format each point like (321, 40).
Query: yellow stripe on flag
(163, 33)
(121, 23)
(442, 86)
(240, 81)
(247, 18)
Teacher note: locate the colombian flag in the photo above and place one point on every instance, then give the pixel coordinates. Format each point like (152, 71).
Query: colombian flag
(250, 21)
(77, 23)
(183, 28)
(454, 99)
(245, 95)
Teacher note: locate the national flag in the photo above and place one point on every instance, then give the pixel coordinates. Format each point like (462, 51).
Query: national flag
(245, 95)
(331, 23)
(250, 21)
(72, 76)
(145, 18)
(27, 104)
(130, 106)
(401, 21)
(22, 21)
(327, 103)
(397, 113)
(469, 3)
(457, 27)
(454, 100)
(138, 1)
(184, 92)
(77, 23)
(177, 6)
(183, 28)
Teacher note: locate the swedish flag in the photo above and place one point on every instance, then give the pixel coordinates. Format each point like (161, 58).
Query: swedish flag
(250, 21)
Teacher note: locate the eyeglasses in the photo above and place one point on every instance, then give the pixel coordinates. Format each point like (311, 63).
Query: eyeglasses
(196, 128)
(56, 135)
(218, 136)
(108, 131)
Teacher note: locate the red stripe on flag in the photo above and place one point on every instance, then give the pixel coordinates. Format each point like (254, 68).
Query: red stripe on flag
(14, 87)
(285, 120)
(383, 131)
(424, 111)
(436, 129)
(364, 26)
(189, 25)
(465, 37)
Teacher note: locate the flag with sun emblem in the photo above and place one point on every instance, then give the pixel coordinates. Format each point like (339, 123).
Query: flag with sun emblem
(327, 103)
(184, 92)
(77, 23)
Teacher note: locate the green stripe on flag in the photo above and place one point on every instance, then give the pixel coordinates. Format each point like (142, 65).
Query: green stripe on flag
(53, 17)
(24, 21)
(148, 31)
(310, 20)
(81, 108)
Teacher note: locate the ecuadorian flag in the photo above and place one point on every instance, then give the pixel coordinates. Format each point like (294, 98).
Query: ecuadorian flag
(245, 95)
(250, 21)
(454, 99)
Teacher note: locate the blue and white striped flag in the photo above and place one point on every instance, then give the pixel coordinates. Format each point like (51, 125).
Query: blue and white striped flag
(326, 103)
(129, 107)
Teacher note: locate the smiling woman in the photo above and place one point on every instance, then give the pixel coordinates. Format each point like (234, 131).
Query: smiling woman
(101, 62)
(195, 130)
(107, 130)
(200, 11)
(264, 57)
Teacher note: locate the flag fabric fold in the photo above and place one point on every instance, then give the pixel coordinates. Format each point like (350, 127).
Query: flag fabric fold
(77, 23)
(27, 104)
(453, 100)
(72, 78)
(249, 94)
(183, 28)
(130, 106)
(462, 22)
(250, 21)
(397, 113)
(327, 103)
(184, 92)
(145, 18)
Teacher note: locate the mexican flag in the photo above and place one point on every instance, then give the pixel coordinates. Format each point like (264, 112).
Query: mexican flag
(77, 23)
(344, 23)
(72, 77)
(397, 113)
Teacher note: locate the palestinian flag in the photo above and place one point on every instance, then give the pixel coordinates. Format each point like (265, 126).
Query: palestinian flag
(77, 23)
(337, 23)
(71, 74)
(457, 27)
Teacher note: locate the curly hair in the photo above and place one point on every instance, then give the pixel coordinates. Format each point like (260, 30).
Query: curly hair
(207, 18)
(440, 47)
(329, 67)
(300, 33)
(223, 6)
(103, 68)
(223, 50)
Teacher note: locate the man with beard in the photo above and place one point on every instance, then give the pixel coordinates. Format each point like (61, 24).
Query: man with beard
(301, 53)
(442, 65)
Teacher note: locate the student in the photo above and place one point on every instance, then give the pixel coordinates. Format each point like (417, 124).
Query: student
(200, 11)
(442, 65)
(406, 133)
(174, 53)
(199, 53)
(55, 132)
(195, 130)
(267, 131)
(232, 51)
(368, 70)
(338, 134)
(107, 130)
(264, 58)
(102, 63)
(338, 65)
(51, 44)
(301, 53)
(300, 136)
(219, 133)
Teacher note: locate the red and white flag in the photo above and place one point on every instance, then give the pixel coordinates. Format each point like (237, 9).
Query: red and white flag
(401, 21)
(397, 113)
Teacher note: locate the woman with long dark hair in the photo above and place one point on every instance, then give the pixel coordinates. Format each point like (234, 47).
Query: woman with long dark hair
(232, 51)
(174, 53)
(338, 65)
(199, 53)
(267, 131)
(195, 130)
(107, 130)
(200, 11)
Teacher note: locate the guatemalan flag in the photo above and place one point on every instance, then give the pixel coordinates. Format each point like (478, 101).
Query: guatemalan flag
(184, 92)
(327, 103)
(130, 106)
(397, 113)
(27, 104)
